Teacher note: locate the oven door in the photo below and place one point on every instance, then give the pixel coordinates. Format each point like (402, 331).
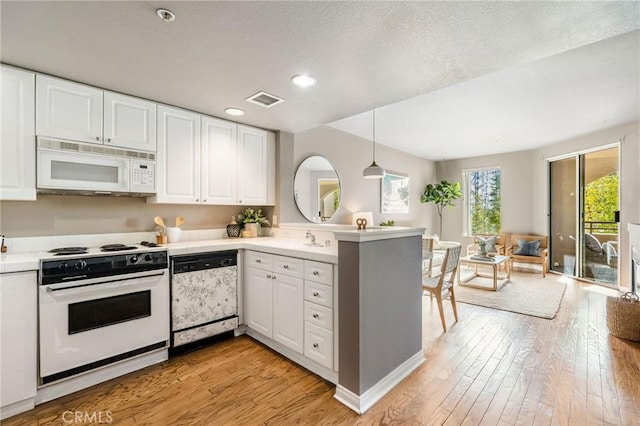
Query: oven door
(63, 170)
(91, 323)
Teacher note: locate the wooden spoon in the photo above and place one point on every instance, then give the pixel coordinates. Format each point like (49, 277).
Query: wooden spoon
(158, 221)
(179, 221)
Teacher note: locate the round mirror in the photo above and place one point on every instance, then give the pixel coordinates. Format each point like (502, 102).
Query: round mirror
(317, 189)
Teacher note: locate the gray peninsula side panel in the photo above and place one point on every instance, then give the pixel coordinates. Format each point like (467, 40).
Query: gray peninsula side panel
(390, 306)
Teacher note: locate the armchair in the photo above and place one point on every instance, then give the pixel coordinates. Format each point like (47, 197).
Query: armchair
(529, 249)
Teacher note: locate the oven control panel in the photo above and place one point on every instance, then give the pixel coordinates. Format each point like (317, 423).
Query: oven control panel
(106, 265)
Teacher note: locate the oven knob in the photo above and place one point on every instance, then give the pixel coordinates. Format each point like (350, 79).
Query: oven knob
(148, 258)
(133, 259)
(63, 266)
(81, 264)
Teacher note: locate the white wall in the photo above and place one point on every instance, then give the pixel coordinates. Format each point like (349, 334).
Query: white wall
(350, 155)
(525, 193)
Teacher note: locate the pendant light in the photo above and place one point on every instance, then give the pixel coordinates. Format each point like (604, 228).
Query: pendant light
(373, 171)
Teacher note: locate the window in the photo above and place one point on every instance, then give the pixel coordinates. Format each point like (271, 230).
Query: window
(482, 201)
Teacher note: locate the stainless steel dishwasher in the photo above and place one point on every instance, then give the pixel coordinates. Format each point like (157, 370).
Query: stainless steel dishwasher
(204, 296)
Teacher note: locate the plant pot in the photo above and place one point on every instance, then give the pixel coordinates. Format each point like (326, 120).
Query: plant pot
(253, 228)
(233, 230)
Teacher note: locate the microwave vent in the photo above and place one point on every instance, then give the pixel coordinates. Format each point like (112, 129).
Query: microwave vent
(61, 145)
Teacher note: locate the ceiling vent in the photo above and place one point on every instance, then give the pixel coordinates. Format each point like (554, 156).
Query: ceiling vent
(264, 99)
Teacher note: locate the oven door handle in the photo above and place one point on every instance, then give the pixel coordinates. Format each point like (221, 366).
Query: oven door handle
(51, 290)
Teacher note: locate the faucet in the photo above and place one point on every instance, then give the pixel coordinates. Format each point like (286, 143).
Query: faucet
(311, 237)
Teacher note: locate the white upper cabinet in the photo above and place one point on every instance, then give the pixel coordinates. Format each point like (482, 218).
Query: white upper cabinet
(129, 122)
(178, 157)
(68, 110)
(76, 111)
(235, 165)
(219, 153)
(17, 135)
(254, 167)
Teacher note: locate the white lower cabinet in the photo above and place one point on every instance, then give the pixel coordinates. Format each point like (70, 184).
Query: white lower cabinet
(318, 312)
(258, 290)
(18, 338)
(289, 309)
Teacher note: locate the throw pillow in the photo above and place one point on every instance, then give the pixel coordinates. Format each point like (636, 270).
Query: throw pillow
(489, 243)
(436, 242)
(527, 248)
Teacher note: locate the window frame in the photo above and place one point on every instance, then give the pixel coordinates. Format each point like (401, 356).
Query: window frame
(466, 188)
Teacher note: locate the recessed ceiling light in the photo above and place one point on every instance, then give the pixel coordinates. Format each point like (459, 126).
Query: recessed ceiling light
(303, 80)
(234, 111)
(166, 15)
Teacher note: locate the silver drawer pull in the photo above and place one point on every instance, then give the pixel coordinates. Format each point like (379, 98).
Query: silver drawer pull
(258, 261)
(316, 294)
(273, 277)
(316, 316)
(316, 346)
(268, 275)
(316, 273)
(286, 266)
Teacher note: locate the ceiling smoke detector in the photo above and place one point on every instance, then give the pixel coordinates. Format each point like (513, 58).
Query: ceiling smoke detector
(166, 15)
(264, 99)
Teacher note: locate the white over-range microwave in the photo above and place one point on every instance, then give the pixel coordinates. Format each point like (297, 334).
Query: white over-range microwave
(92, 169)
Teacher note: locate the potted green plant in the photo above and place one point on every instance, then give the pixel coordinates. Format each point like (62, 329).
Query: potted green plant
(442, 194)
(253, 220)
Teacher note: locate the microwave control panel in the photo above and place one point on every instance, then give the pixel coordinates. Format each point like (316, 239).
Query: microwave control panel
(143, 177)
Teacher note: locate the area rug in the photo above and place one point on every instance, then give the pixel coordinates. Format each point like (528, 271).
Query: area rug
(538, 297)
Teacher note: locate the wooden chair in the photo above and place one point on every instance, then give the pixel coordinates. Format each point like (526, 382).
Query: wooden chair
(541, 257)
(500, 244)
(444, 282)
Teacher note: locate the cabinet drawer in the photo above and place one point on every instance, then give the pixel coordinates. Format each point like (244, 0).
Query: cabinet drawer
(318, 293)
(288, 266)
(318, 315)
(318, 344)
(259, 260)
(318, 272)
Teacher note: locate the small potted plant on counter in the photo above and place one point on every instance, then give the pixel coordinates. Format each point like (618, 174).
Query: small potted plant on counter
(252, 221)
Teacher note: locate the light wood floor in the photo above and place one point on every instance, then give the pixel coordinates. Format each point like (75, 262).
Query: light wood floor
(491, 368)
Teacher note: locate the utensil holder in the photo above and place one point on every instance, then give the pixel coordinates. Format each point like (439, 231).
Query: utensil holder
(173, 234)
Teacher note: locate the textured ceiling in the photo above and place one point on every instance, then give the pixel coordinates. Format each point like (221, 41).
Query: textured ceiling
(364, 54)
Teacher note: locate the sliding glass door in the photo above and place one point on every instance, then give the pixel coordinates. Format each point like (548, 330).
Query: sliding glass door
(584, 215)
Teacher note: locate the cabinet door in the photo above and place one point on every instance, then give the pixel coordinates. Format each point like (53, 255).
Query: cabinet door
(178, 157)
(288, 311)
(129, 122)
(68, 110)
(17, 135)
(258, 308)
(219, 152)
(18, 336)
(252, 166)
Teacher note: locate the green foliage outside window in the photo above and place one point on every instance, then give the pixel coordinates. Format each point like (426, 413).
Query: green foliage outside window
(601, 203)
(484, 201)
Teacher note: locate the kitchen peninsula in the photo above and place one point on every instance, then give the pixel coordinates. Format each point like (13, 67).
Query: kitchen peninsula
(334, 293)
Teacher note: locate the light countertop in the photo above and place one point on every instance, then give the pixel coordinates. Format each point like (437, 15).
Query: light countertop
(30, 261)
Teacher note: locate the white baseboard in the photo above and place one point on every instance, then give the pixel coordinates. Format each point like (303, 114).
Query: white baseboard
(67, 386)
(361, 403)
(17, 408)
